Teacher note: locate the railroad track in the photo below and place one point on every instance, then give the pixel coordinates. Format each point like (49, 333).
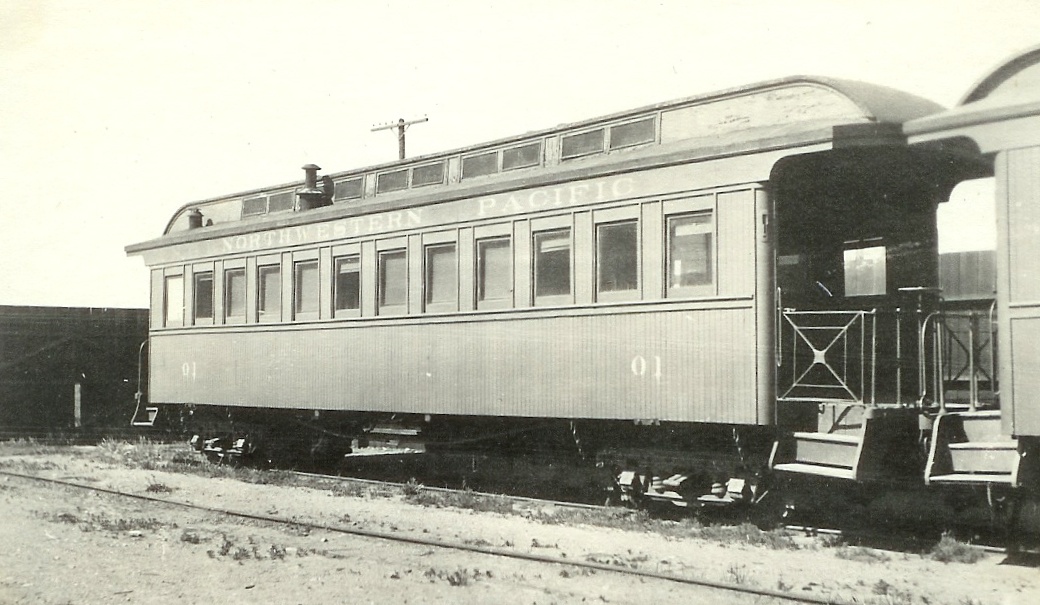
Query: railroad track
(445, 544)
(448, 490)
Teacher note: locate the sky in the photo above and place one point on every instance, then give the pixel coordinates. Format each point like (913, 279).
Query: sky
(114, 114)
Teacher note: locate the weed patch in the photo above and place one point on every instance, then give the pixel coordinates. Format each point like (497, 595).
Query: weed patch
(949, 550)
(349, 490)
(29, 466)
(93, 522)
(143, 454)
(738, 574)
(458, 577)
(158, 488)
(191, 537)
(27, 447)
(746, 533)
(465, 499)
(890, 593)
(632, 562)
(863, 555)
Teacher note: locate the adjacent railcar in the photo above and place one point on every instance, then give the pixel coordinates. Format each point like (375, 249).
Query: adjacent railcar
(747, 275)
(68, 371)
(997, 443)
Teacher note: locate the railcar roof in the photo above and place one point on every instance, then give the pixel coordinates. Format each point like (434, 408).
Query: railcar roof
(737, 118)
(1009, 90)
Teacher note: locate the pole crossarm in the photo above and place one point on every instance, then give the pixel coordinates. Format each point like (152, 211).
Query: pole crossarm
(401, 125)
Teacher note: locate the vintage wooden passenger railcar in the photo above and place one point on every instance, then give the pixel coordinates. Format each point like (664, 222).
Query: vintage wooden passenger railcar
(753, 266)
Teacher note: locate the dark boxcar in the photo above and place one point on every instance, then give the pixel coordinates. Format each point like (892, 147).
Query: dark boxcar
(63, 369)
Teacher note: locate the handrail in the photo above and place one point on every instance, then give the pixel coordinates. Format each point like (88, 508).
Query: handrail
(826, 363)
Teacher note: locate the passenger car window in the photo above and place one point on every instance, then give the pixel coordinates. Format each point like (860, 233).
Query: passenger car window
(441, 283)
(690, 252)
(305, 288)
(235, 294)
(203, 306)
(173, 300)
(865, 271)
(269, 305)
(494, 272)
(348, 283)
(617, 257)
(393, 280)
(552, 264)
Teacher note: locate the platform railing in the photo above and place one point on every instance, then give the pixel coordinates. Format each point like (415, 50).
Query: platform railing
(902, 357)
(828, 356)
(965, 353)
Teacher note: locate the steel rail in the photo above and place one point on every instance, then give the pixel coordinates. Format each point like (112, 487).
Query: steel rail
(484, 550)
(448, 490)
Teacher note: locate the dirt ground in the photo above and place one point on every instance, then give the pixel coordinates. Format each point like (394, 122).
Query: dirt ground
(63, 545)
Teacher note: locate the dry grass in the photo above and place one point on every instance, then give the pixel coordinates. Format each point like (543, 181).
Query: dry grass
(949, 550)
(90, 522)
(863, 555)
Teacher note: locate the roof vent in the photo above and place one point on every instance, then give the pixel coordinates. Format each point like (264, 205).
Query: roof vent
(311, 196)
(194, 218)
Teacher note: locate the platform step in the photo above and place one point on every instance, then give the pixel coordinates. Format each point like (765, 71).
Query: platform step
(145, 417)
(816, 469)
(970, 448)
(844, 438)
(395, 430)
(985, 445)
(981, 426)
(974, 478)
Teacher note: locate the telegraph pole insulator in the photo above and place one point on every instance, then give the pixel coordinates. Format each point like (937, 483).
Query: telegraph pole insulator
(400, 125)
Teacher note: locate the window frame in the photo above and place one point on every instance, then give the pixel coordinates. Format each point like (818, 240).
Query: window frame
(229, 318)
(407, 180)
(445, 306)
(442, 165)
(630, 294)
(395, 308)
(552, 299)
(264, 315)
(337, 261)
(858, 248)
(611, 146)
(289, 197)
(693, 290)
(537, 162)
(298, 266)
(196, 277)
(481, 301)
(602, 130)
(169, 321)
(336, 187)
(495, 154)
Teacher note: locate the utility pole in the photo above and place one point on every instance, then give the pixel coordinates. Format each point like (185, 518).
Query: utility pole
(400, 125)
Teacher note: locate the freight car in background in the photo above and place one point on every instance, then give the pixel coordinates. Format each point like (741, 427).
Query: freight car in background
(67, 371)
(707, 292)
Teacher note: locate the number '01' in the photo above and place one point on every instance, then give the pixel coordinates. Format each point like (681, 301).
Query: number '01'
(640, 365)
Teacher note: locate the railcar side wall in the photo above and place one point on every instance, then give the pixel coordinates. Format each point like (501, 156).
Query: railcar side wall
(1018, 192)
(672, 325)
(686, 364)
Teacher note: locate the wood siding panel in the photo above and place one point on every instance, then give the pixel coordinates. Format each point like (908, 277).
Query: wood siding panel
(736, 230)
(156, 318)
(1023, 207)
(1025, 353)
(1018, 195)
(680, 365)
(652, 246)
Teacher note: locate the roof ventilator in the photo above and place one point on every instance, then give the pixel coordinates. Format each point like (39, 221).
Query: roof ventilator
(312, 196)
